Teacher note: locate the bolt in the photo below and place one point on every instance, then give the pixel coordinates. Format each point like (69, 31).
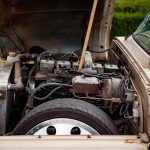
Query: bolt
(75, 131)
(51, 130)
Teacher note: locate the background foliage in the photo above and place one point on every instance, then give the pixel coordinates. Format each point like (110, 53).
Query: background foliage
(128, 15)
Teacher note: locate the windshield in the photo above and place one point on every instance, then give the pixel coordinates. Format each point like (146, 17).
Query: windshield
(142, 34)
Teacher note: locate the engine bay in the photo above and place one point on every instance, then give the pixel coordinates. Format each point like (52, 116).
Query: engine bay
(60, 76)
(44, 77)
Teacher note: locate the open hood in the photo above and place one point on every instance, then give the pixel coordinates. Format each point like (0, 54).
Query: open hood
(58, 26)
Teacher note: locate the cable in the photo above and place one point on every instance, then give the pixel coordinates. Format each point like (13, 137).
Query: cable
(91, 98)
(36, 65)
(99, 76)
(124, 109)
(122, 83)
(127, 82)
(120, 89)
(49, 54)
(29, 104)
(48, 84)
(100, 51)
(125, 105)
(48, 95)
(69, 54)
(31, 72)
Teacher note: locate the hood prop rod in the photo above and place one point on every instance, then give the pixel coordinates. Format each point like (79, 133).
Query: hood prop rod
(87, 37)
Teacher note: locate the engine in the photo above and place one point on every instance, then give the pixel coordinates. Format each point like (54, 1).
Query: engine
(43, 78)
(94, 82)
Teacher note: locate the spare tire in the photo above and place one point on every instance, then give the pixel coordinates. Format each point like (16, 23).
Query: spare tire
(66, 117)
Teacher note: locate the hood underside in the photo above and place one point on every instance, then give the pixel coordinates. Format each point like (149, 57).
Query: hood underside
(59, 26)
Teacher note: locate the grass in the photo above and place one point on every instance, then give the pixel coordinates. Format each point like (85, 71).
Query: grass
(132, 6)
(128, 15)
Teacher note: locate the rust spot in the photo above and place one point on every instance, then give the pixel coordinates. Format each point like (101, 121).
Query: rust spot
(81, 88)
(89, 137)
(129, 141)
(2, 94)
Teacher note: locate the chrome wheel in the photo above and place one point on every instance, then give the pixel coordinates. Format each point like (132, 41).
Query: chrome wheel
(62, 126)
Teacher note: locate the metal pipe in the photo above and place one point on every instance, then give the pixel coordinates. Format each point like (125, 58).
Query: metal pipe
(17, 70)
(27, 56)
(48, 95)
(18, 85)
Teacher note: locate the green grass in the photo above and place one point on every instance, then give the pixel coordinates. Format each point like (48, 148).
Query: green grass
(132, 6)
(128, 15)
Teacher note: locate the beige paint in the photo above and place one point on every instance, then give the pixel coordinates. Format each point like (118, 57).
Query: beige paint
(72, 142)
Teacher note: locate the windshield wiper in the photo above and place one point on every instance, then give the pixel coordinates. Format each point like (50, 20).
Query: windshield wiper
(148, 36)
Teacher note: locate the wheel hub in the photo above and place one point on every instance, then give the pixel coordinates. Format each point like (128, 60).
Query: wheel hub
(62, 126)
